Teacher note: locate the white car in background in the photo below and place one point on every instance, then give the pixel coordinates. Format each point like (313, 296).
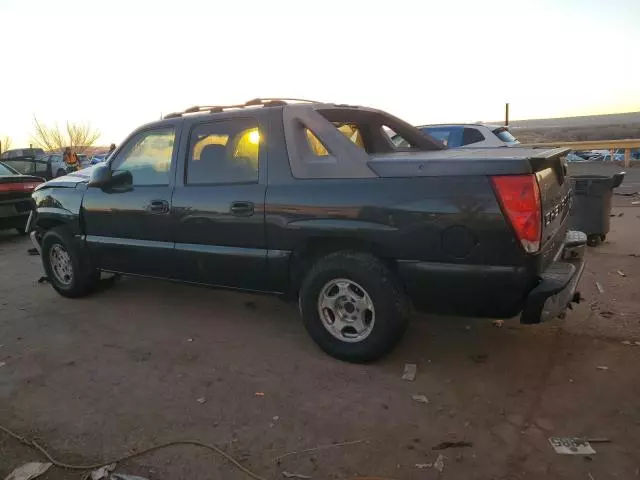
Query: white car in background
(466, 135)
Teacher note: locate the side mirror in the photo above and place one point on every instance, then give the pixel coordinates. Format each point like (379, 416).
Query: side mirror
(100, 177)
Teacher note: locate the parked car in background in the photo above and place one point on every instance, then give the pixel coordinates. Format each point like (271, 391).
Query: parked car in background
(15, 197)
(100, 158)
(466, 135)
(591, 156)
(34, 161)
(573, 157)
(327, 212)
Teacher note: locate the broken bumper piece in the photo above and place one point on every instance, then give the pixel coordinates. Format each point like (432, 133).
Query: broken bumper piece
(557, 288)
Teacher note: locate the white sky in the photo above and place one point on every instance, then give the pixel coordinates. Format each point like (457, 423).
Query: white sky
(121, 63)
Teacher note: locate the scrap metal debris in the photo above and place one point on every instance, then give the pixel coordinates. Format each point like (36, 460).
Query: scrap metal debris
(409, 373)
(420, 398)
(28, 471)
(571, 446)
(599, 286)
(439, 463)
(445, 445)
(294, 475)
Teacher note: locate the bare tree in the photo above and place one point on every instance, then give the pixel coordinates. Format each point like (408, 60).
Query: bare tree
(5, 143)
(77, 136)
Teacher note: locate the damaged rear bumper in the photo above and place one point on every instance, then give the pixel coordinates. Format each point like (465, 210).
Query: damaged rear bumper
(557, 287)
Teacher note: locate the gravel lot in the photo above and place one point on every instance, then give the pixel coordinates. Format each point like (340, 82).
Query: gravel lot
(146, 362)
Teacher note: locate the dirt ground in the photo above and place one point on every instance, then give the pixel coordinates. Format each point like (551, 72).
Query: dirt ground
(147, 362)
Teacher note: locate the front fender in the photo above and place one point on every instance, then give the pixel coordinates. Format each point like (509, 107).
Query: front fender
(58, 206)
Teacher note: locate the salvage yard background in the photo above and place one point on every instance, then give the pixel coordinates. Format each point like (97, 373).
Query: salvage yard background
(147, 362)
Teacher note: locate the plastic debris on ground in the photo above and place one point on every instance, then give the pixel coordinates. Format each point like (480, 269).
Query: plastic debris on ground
(599, 287)
(621, 273)
(602, 367)
(259, 394)
(201, 400)
(498, 323)
(101, 473)
(439, 463)
(409, 373)
(294, 475)
(571, 446)
(2, 364)
(28, 471)
(424, 465)
(420, 398)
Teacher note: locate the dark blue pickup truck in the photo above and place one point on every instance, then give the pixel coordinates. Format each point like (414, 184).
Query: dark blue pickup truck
(314, 202)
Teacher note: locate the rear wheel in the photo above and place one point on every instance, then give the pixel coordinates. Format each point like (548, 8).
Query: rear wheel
(67, 265)
(353, 307)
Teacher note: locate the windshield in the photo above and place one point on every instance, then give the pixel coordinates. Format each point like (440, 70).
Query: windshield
(503, 134)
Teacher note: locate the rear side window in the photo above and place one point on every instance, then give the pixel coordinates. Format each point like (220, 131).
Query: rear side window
(471, 135)
(224, 152)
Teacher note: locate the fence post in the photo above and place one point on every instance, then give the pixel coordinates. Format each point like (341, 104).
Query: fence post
(627, 157)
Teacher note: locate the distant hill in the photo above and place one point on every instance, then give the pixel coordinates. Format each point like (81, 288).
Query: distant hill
(616, 126)
(586, 121)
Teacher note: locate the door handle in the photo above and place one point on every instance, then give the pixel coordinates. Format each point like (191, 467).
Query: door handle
(158, 206)
(242, 209)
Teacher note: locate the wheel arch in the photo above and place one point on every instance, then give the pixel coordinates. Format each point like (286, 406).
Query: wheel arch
(312, 249)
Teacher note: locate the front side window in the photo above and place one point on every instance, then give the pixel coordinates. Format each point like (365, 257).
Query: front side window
(224, 152)
(148, 157)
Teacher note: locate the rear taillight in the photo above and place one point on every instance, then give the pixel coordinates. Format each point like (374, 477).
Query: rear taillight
(519, 196)
(18, 187)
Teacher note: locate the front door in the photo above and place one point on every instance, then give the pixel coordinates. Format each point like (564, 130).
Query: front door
(218, 205)
(128, 224)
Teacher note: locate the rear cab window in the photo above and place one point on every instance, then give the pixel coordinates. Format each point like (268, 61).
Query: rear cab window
(451, 137)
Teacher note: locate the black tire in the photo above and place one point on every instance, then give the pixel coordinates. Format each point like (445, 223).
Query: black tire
(390, 305)
(83, 278)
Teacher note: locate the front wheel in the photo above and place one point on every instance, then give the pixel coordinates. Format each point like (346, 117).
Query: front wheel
(67, 265)
(353, 307)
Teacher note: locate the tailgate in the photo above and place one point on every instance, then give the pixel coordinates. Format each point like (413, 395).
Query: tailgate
(550, 169)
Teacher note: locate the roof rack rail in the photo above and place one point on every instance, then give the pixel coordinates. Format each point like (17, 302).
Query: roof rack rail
(256, 102)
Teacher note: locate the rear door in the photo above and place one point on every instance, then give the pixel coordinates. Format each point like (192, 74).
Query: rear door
(128, 224)
(218, 204)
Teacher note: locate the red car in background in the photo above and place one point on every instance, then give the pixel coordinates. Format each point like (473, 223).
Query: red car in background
(15, 197)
